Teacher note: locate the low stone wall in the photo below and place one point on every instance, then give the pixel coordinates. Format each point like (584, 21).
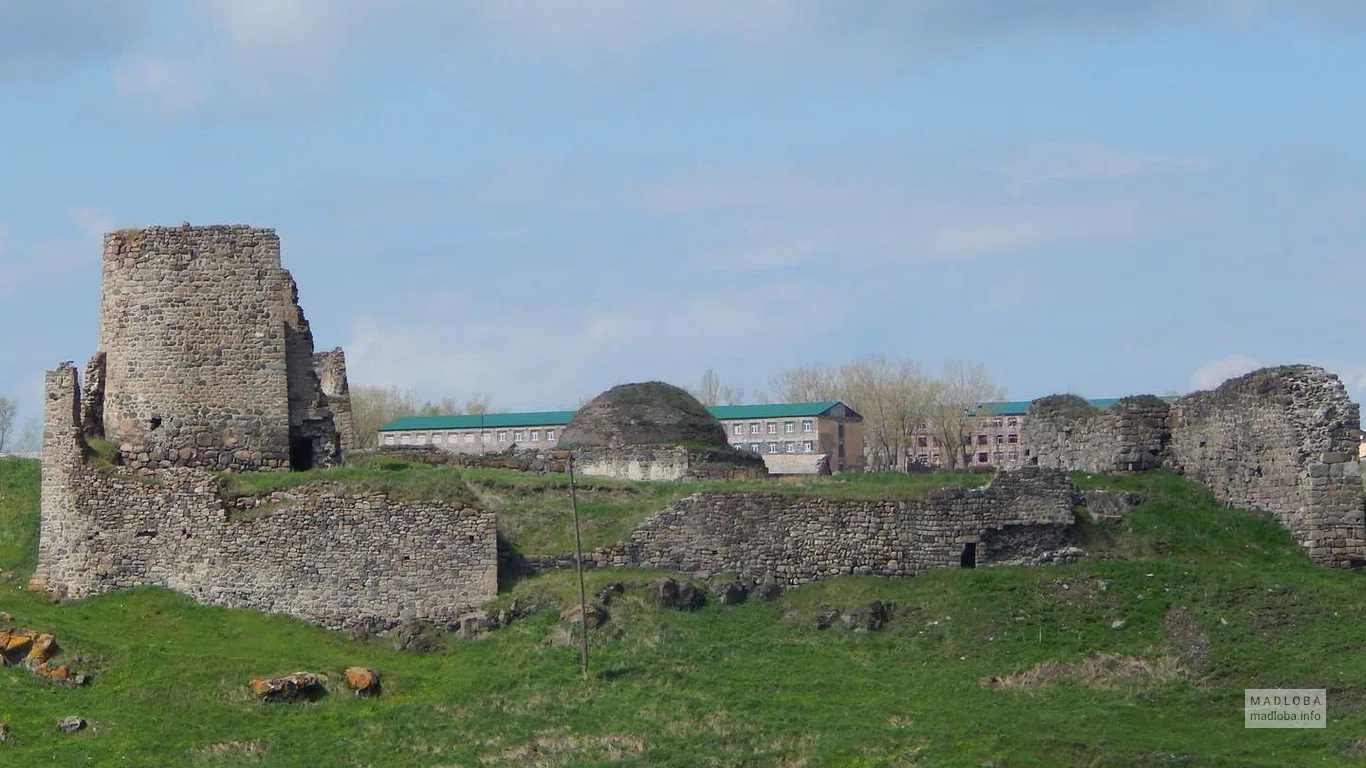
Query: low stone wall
(651, 462)
(794, 539)
(315, 552)
(1284, 440)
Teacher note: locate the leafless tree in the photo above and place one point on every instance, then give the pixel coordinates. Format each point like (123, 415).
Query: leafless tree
(712, 391)
(8, 410)
(962, 388)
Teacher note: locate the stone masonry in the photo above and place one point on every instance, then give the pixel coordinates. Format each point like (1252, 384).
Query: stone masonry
(794, 539)
(207, 358)
(1279, 439)
(316, 552)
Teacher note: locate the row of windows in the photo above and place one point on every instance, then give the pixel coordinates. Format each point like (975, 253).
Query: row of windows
(790, 446)
(771, 427)
(470, 438)
(982, 457)
(1012, 439)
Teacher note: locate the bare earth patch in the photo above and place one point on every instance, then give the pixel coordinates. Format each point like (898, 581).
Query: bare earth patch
(559, 747)
(1188, 638)
(1103, 671)
(223, 751)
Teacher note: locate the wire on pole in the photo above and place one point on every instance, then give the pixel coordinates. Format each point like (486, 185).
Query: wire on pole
(578, 564)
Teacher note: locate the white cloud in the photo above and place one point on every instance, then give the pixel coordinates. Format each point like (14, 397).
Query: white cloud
(48, 261)
(1084, 160)
(534, 363)
(166, 85)
(1216, 372)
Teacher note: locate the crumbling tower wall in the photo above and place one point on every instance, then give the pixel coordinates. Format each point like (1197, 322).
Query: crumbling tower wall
(208, 358)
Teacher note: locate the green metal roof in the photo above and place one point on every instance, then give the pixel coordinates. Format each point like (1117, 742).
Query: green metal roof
(773, 410)
(481, 421)
(1019, 407)
(560, 418)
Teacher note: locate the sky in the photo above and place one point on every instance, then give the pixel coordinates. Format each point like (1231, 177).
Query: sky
(539, 200)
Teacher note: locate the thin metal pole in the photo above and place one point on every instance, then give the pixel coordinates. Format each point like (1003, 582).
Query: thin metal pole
(578, 563)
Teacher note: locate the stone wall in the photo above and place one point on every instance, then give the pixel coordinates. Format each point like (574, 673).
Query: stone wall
(330, 368)
(1066, 432)
(208, 359)
(1284, 440)
(667, 462)
(315, 552)
(794, 538)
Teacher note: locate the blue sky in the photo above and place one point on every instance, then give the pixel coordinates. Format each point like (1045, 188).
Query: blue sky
(539, 200)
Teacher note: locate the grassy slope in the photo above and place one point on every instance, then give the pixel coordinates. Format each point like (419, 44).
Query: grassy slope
(750, 684)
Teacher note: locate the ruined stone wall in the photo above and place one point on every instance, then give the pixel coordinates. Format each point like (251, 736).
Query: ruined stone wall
(208, 357)
(315, 552)
(667, 462)
(1283, 440)
(793, 538)
(330, 368)
(1066, 432)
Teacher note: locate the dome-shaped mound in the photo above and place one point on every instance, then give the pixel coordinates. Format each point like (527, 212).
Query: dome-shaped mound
(646, 413)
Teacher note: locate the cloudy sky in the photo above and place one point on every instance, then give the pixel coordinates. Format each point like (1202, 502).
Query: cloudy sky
(541, 198)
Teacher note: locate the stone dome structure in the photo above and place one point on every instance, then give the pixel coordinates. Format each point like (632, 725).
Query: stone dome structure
(644, 413)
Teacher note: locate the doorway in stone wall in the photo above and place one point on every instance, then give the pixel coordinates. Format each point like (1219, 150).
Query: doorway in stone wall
(301, 455)
(969, 556)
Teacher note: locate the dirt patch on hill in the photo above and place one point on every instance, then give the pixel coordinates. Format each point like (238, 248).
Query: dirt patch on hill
(1102, 671)
(1189, 639)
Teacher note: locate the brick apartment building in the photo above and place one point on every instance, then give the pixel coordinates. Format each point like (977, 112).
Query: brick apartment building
(997, 438)
(828, 428)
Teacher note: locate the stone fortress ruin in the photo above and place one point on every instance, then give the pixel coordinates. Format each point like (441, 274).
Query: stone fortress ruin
(206, 364)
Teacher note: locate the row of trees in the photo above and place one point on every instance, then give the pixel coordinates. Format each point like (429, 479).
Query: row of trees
(898, 400)
(373, 407)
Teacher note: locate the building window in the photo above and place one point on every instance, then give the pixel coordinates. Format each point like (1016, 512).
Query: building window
(997, 456)
(923, 442)
(755, 428)
(808, 425)
(502, 435)
(995, 422)
(518, 436)
(773, 427)
(981, 439)
(535, 435)
(754, 447)
(1014, 455)
(1000, 439)
(772, 447)
(739, 429)
(1012, 421)
(789, 447)
(789, 427)
(808, 446)
(550, 435)
(981, 458)
(388, 439)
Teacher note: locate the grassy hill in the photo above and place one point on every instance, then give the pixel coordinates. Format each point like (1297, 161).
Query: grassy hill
(1011, 666)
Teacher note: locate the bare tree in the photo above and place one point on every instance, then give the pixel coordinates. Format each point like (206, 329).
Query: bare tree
(8, 409)
(712, 391)
(373, 407)
(479, 403)
(808, 384)
(30, 440)
(962, 389)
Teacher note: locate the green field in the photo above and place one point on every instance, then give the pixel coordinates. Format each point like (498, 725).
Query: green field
(1213, 601)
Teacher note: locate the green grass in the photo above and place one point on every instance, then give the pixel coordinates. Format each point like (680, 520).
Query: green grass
(753, 684)
(400, 480)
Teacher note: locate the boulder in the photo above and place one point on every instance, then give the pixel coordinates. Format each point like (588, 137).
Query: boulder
(59, 674)
(300, 685)
(596, 616)
(44, 647)
(768, 591)
(669, 593)
(869, 618)
(70, 724)
(417, 637)
(729, 591)
(826, 618)
(611, 592)
(363, 680)
(644, 413)
(15, 643)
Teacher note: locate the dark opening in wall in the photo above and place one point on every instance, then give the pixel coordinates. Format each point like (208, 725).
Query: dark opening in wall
(155, 423)
(301, 455)
(969, 558)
